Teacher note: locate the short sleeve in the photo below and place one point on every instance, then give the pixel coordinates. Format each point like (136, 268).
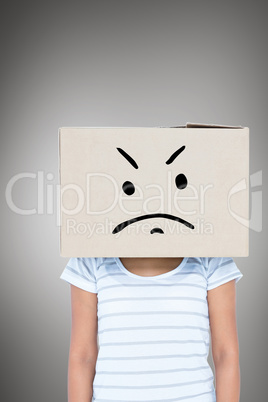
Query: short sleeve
(81, 273)
(221, 270)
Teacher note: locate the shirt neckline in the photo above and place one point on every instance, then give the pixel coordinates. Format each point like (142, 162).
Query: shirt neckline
(164, 275)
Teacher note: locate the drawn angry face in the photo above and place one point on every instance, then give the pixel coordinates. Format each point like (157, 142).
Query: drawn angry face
(129, 189)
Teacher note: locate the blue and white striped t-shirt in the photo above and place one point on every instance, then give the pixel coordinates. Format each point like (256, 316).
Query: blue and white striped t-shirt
(153, 331)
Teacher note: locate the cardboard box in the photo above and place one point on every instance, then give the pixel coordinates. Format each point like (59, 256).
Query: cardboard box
(154, 191)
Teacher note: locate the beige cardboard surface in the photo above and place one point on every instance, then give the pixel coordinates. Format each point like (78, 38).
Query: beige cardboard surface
(188, 185)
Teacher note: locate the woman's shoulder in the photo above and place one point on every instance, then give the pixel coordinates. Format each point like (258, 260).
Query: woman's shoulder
(209, 263)
(99, 264)
(198, 263)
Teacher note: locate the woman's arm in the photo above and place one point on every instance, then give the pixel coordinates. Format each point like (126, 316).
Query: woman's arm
(83, 346)
(224, 339)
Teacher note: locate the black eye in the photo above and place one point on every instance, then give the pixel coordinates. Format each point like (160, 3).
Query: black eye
(181, 181)
(128, 187)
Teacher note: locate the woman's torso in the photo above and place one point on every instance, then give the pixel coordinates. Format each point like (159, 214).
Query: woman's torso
(153, 334)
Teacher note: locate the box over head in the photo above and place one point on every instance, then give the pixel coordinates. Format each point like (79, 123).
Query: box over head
(154, 191)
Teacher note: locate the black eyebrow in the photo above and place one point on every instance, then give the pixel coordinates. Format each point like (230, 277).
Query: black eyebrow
(128, 158)
(174, 155)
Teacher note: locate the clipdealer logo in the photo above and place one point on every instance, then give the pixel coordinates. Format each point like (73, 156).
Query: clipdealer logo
(49, 197)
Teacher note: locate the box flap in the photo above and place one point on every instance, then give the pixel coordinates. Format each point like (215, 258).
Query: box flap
(201, 125)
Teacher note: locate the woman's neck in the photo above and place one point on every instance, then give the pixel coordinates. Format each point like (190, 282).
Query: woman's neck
(150, 266)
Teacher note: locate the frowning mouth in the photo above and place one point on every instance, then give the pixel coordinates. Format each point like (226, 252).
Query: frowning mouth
(124, 224)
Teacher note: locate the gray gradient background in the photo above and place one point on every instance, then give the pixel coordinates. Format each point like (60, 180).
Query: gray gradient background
(116, 63)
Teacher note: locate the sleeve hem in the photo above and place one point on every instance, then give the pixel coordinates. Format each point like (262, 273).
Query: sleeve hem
(229, 278)
(89, 287)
